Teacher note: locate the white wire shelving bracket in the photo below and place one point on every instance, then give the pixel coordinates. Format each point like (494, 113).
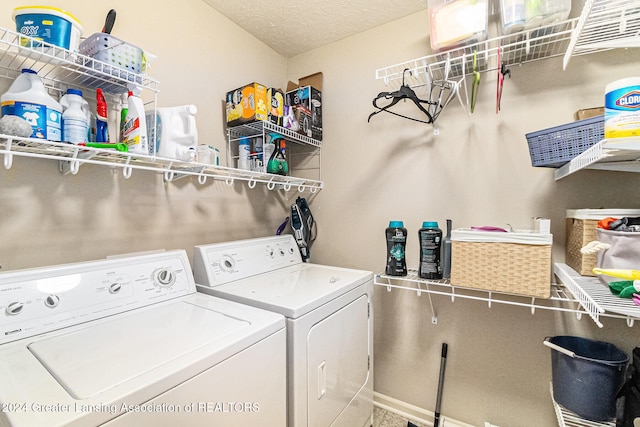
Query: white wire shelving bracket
(603, 25)
(567, 418)
(575, 294)
(616, 154)
(72, 156)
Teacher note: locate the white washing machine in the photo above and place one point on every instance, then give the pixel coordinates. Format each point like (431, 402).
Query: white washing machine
(329, 323)
(129, 342)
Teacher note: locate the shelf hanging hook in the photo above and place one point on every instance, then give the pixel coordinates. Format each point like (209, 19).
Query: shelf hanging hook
(251, 183)
(126, 172)
(313, 190)
(8, 157)
(169, 175)
(74, 167)
(229, 180)
(271, 185)
(301, 187)
(202, 178)
(630, 321)
(287, 186)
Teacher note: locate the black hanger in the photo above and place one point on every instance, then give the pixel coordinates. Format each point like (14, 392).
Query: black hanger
(403, 93)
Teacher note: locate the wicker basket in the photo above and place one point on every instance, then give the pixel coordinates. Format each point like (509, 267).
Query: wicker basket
(556, 146)
(581, 229)
(510, 267)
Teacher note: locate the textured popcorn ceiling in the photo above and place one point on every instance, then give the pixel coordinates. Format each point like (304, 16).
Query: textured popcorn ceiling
(292, 27)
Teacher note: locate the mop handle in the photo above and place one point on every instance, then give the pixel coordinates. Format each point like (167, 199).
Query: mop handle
(443, 361)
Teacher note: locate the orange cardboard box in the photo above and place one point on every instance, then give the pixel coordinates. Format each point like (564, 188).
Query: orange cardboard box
(247, 104)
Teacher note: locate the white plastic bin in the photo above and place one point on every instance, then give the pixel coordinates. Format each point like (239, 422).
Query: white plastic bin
(457, 23)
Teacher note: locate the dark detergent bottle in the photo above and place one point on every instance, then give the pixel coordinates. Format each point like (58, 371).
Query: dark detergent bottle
(430, 237)
(396, 246)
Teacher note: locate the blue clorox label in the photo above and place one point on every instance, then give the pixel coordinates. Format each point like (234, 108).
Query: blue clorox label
(630, 100)
(624, 99)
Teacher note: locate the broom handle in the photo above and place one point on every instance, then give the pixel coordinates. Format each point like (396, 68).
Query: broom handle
(443, 361)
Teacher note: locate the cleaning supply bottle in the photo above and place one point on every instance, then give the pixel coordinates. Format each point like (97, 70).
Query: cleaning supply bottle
(396, 236)
(135, 128)
(124, 104)
(430, 237)
(75, 117)
(277, 163)
(269, 147)
(259, 158)
(172, 132)
(102, 127)
(244, 153)
(446, 253)
(28, 98)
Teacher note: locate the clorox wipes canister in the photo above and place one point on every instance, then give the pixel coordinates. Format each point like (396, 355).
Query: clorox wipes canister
(622, 108)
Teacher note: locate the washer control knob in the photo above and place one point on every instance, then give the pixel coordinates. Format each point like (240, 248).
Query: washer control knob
(52, 301)
(14, 308)
(227, 263)
(164, 277)
(114, 288)
(281, 252)
(291, 250)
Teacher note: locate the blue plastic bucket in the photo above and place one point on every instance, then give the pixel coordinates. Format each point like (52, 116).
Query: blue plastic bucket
(49, 24)
(587, 375)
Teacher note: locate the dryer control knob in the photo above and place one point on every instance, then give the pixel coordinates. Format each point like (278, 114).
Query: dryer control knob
(52, 301)
(164, 277)
(14, 308)
(114, 288)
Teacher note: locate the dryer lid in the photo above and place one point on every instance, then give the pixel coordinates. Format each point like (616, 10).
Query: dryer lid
(91, 360)
(292, 291)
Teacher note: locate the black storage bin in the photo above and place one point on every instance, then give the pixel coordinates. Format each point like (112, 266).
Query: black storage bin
(587, 375)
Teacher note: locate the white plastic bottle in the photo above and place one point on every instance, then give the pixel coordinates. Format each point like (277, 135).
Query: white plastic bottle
(135, 128)
(27, 98)
(244, 153)
(75, 123)
(172, 132)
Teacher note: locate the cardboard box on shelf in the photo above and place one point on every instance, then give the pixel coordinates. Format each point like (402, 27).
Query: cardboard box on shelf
(588, 113)
(306, 99)
(246, 104)
(276, 105)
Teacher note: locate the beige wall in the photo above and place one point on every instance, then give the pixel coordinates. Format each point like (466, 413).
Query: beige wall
(476, 172)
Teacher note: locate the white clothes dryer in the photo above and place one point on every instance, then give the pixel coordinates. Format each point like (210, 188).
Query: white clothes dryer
(329, 323)
(129, 342)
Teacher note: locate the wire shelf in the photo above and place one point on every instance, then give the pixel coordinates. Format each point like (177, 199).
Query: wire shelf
(575, 294)
(72, 156)
(616, 154)
(560, 299)
(603, 25)
(518, 48)
(59, 68)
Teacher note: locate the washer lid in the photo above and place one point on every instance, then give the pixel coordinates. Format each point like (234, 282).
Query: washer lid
(292, 291)
(96, 358)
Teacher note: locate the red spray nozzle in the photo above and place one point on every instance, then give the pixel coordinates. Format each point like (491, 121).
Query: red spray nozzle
(101, 106)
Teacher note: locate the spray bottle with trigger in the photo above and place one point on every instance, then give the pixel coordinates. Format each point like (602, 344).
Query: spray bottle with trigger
(277, 163)
(102, 127)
